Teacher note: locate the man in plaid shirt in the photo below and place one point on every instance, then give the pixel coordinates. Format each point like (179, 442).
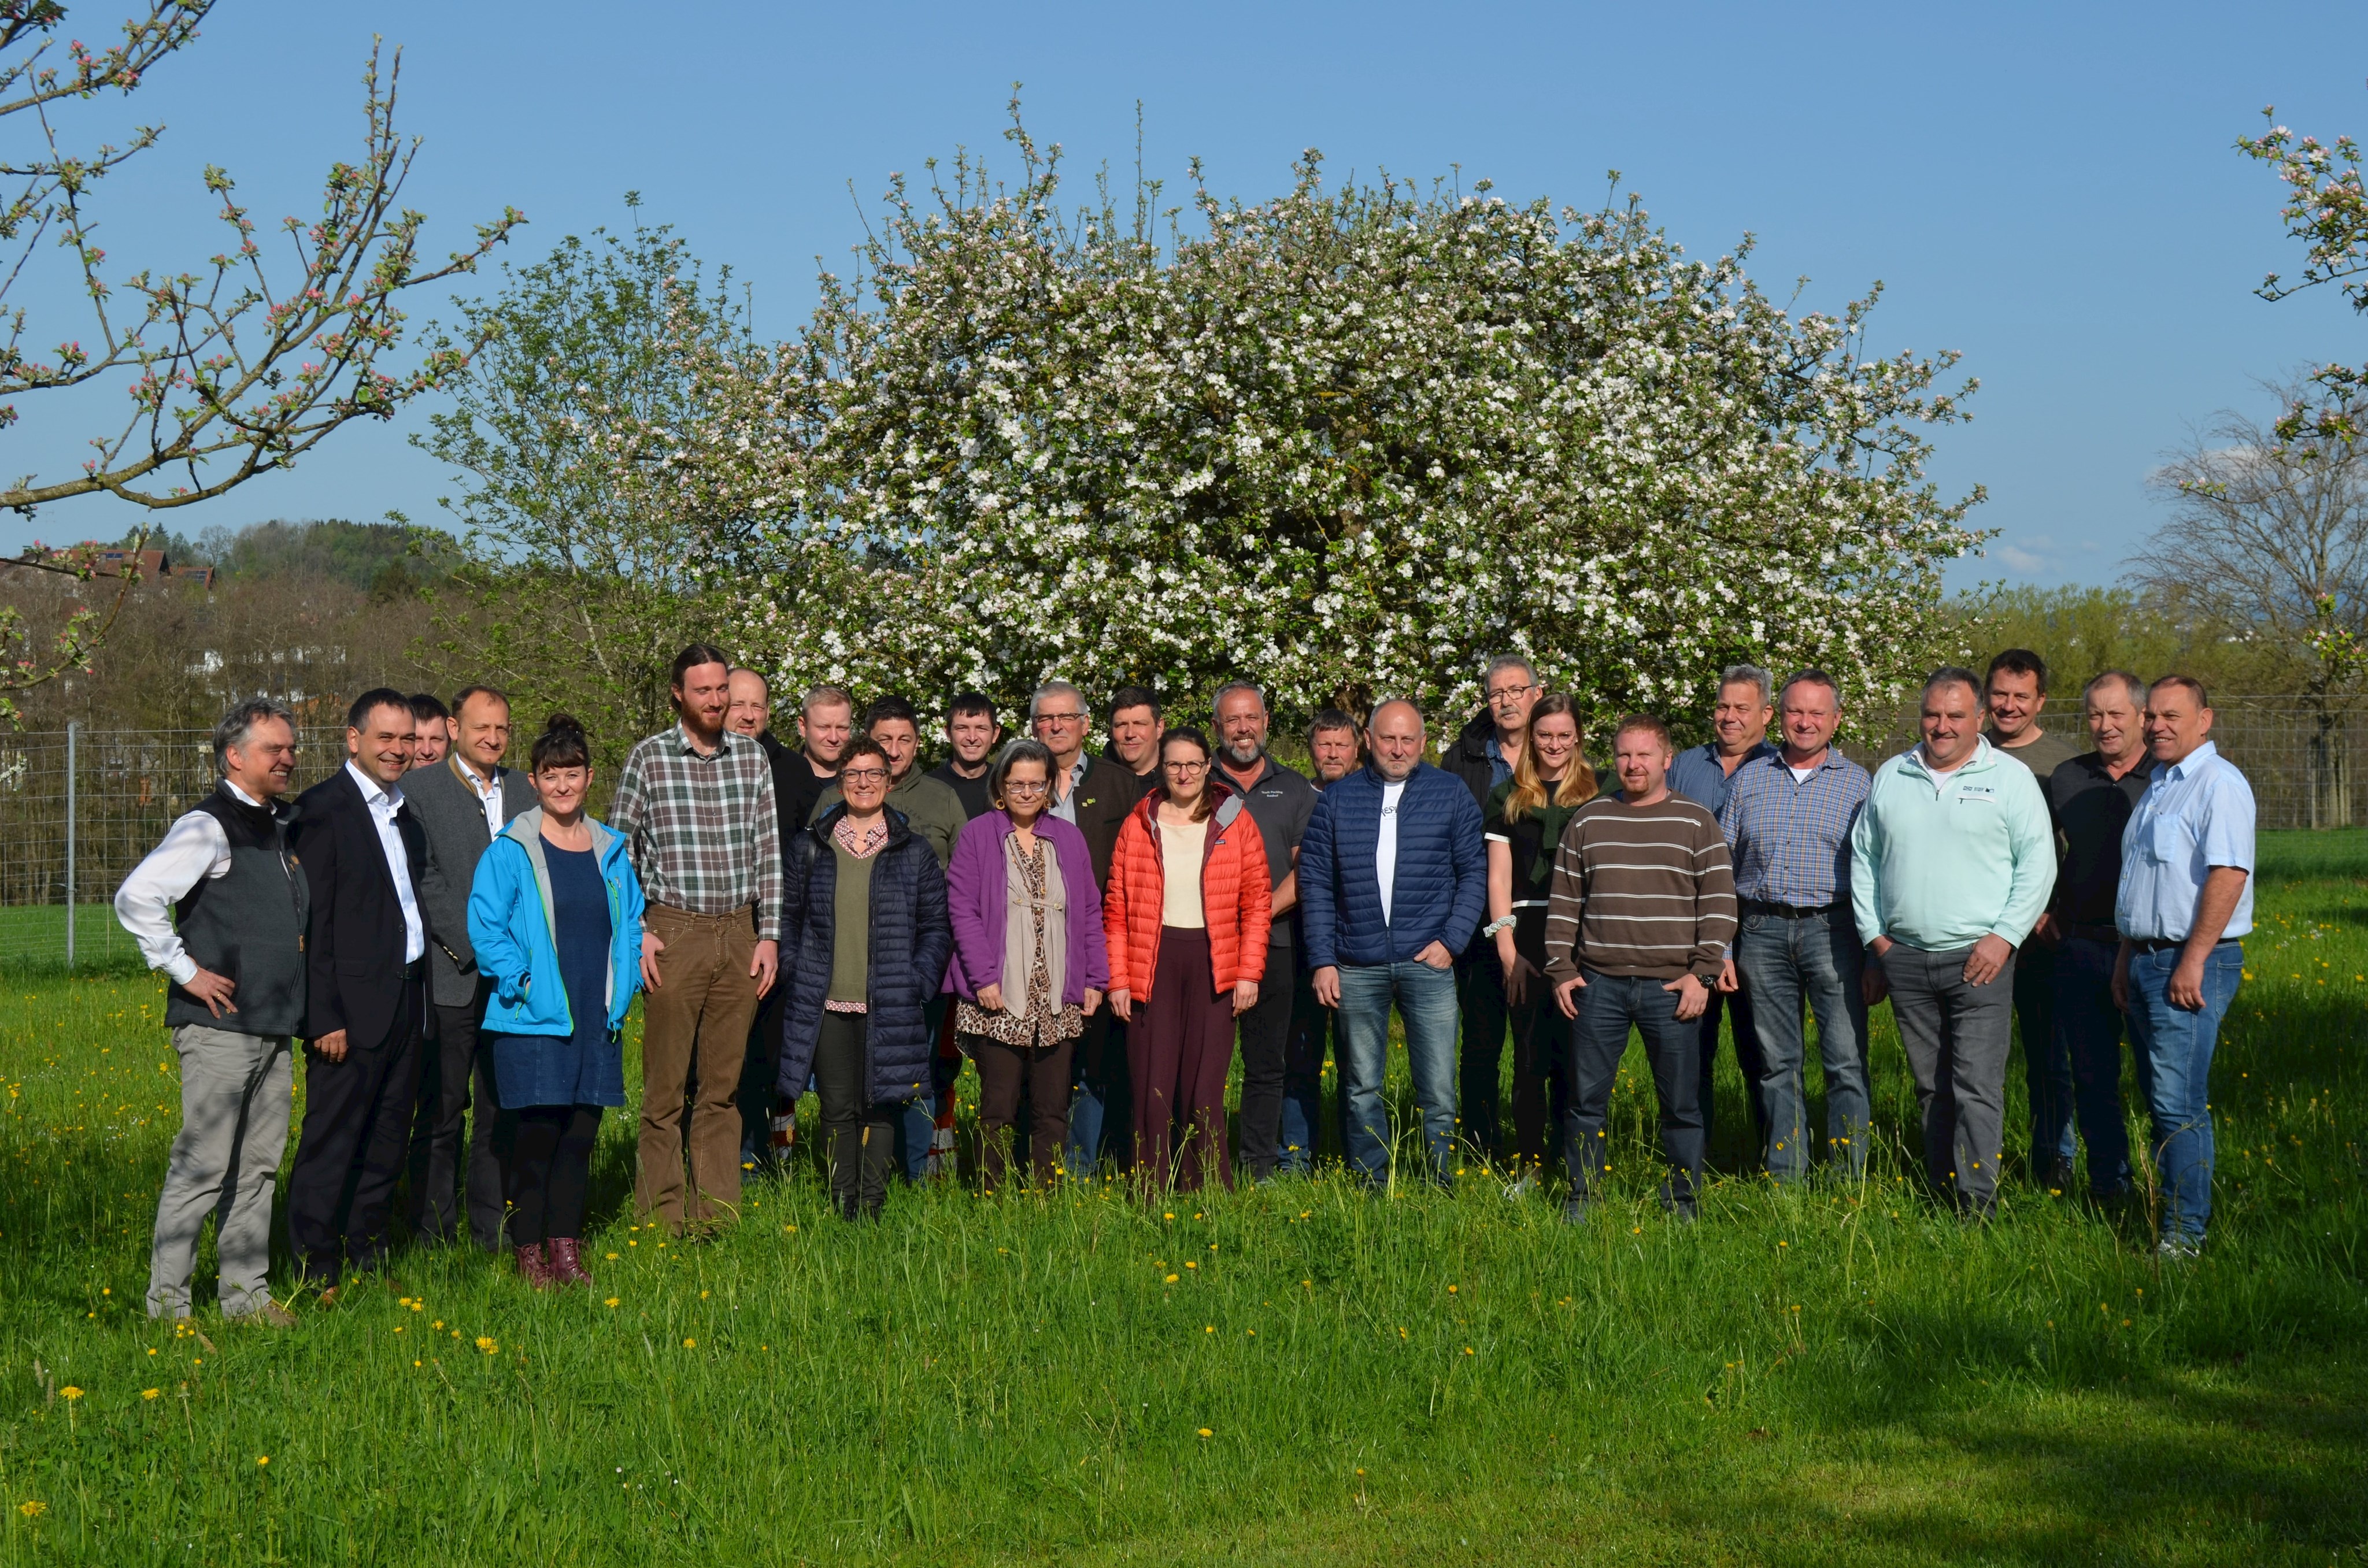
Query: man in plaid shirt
(1787, 819)
(695, 804)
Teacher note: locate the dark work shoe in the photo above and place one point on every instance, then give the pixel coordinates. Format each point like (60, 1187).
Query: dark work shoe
(1574, 1211)
(2056, 1178)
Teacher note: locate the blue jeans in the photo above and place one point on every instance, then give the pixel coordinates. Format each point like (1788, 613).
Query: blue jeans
(1814, 959)
(2089, 1038)
(1312, 1030)
(1101, 1103)
(2174, 1061)
(1426, 1000)
(1608, 1005)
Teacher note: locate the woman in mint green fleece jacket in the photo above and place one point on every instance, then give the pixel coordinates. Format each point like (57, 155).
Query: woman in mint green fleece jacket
(555, 915)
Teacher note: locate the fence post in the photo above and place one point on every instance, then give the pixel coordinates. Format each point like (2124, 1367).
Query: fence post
(73, 734)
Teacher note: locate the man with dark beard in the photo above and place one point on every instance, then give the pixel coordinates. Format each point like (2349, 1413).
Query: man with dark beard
(1280, 801)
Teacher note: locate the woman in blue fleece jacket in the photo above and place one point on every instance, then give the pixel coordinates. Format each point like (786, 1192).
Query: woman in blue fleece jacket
(555, 915)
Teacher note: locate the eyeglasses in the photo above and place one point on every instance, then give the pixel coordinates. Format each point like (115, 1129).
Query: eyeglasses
(1507, 693)
(1025, 786)
(1186, 768)
(1059, 718)
(862, 775)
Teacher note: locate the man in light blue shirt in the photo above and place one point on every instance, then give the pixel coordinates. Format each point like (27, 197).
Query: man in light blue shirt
(2185, 897)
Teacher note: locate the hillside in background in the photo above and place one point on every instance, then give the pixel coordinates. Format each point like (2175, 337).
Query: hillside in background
(307, 611)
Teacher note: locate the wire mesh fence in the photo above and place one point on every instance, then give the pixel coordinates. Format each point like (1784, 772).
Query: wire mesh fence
(79, 808)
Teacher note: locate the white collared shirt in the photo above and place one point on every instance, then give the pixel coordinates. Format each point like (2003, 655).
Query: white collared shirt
(489, 795)
(194, 849)
(385, 802)
(1385, 845)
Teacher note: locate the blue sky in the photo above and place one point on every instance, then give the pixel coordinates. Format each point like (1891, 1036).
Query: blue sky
(2050, 190)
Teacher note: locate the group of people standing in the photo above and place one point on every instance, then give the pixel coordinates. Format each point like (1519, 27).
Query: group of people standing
(442, 935)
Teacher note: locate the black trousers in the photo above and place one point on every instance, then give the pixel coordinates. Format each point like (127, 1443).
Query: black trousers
(1480, 997)
(1266, 1057)
(551, 1171)
(1011, 1079)
(1748, 1057)
(757, 1072)
(1540, 1089)
(351, 1152)
(454, 1077)
(859, 1136)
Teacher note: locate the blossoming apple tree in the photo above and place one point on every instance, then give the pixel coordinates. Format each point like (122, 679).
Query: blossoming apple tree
(1348, 441)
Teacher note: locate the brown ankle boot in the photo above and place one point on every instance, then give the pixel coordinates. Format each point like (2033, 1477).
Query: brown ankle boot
(567, 1262)
(534, 1269)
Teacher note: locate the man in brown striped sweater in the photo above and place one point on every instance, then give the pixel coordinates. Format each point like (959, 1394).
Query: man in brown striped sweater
(1638, 922)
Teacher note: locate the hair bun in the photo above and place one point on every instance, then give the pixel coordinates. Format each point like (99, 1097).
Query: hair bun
(563, 724)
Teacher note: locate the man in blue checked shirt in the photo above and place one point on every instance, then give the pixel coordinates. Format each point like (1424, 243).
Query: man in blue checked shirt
(1787, 819)
(2186, 897)
(1704, 774)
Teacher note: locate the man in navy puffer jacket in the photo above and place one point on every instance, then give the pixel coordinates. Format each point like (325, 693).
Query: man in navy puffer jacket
(1393, 879)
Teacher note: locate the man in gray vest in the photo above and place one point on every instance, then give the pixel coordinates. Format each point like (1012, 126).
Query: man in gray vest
(220, 906)
(461, 802)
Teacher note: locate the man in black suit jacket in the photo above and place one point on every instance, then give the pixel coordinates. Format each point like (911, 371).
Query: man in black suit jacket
(366, 944)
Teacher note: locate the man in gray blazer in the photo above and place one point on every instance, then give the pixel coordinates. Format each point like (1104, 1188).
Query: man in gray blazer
(461, 802)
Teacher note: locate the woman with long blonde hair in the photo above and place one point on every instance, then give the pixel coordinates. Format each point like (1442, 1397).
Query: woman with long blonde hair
(1524, 821)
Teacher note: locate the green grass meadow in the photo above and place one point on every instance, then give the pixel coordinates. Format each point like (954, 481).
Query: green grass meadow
(1301, 1373)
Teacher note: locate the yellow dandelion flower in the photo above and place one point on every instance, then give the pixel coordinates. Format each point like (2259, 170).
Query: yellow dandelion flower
(609, 1303)
(262, 1460)
(1171, 1280)
(1206, 1433)
(487, 1345)
(150, 1393)
(691, 1345)
(70, 1393)
(32, 1508)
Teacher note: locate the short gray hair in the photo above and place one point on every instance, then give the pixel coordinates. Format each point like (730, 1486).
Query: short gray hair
(2130, 683)
(1749, 675)
(241, 720)
(1054, 689)
(1504, 662)
(1234, 686)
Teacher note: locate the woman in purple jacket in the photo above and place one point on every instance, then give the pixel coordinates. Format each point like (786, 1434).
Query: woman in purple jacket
(1028, 962)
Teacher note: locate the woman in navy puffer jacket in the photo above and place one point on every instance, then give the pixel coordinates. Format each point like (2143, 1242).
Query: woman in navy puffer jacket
(864, 944)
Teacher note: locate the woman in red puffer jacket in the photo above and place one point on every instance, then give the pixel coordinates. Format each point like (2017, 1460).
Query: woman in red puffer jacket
(1186, 916)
